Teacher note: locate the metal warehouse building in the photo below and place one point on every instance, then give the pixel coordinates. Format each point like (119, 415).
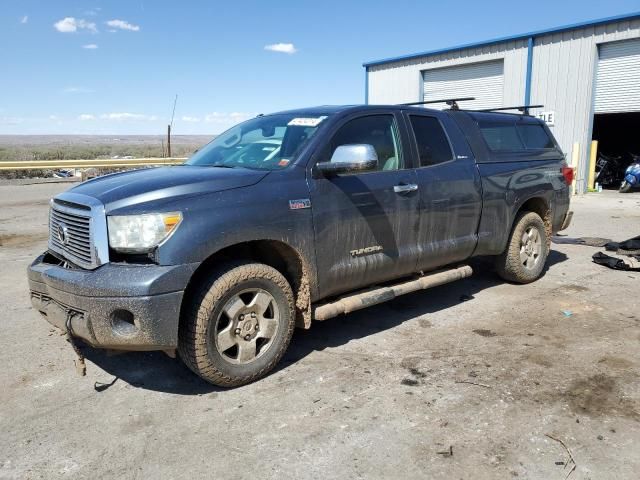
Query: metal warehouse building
(586, 75)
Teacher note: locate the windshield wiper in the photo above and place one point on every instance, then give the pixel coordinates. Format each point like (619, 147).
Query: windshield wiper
(219, 165)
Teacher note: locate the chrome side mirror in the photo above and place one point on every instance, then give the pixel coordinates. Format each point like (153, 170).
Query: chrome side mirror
(350, 158)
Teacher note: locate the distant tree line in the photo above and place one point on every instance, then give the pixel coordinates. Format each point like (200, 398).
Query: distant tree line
(15, 153)
(89, 152)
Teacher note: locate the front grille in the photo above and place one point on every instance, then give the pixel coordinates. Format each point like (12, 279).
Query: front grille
(70, 234)
(78, 230)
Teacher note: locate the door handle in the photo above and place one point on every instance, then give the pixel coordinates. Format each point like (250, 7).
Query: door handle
(408, 187)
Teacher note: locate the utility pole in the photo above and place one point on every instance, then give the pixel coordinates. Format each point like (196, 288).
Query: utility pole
(169, 141)
(169, 127)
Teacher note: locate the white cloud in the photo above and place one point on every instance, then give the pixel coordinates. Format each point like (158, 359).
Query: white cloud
(77, 90)
(288, 48)
(86, 116)
(71, 25)
(56, 119)
(90, 46)
(189, 119)
(92, 12)
(24, 19)
(11, 120)
(120, 116)
(122, 25)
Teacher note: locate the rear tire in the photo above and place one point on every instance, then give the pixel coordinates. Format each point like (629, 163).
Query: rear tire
(526, 254)
(625, 187)
(238, 325)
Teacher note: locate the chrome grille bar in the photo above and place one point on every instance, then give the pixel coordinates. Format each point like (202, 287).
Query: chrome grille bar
(77, 230)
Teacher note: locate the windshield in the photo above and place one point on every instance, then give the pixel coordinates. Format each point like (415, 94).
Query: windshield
(262, 143)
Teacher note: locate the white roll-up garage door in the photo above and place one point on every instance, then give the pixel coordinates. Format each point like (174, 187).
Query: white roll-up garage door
(618, 77)
(484, 81)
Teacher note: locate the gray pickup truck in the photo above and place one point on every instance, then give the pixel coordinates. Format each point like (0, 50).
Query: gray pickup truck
(297, 217)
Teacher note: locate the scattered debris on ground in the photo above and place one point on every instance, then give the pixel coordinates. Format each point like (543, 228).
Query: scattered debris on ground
(626, 256)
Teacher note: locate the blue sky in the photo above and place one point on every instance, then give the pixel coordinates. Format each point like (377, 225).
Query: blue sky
(105, 67)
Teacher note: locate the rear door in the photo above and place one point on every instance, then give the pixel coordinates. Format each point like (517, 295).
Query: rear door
(450, 189)
(366, 223)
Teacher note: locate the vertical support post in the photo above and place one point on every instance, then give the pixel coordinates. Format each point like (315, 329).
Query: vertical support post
(575, 161)
(593, 154)
(169, 141)
(527, 84)
(366, 85)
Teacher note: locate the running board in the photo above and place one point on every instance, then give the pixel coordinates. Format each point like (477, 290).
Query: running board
(356, 301)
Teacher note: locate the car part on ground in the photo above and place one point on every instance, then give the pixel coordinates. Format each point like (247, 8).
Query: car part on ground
(618, 262)
(588, 241)
(626, 255)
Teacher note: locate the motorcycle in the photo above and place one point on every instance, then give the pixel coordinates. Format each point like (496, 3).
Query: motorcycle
(631, 175)
(608, 170)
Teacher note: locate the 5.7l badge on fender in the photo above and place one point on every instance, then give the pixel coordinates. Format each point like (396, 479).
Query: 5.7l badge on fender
(298, 204)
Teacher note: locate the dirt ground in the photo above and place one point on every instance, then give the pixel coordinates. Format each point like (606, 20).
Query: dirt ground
(474, 380)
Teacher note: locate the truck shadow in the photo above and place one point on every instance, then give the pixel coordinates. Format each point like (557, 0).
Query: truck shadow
(147, 370)
(363, 323)
(157, 372)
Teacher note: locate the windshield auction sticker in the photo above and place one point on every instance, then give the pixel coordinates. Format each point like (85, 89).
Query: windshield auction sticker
(306, 122)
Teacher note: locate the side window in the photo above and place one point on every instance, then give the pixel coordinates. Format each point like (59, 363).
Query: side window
(432, 142)
(377, 130)
(501, 136)
(535, 136)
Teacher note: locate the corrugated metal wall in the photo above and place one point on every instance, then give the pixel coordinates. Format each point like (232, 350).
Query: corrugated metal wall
(563, 78)
(564, 72)
(401, 82)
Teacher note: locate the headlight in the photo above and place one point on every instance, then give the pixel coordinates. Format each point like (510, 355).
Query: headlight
(140, 233)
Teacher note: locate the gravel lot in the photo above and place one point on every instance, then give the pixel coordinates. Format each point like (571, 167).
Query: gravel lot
(482, 369)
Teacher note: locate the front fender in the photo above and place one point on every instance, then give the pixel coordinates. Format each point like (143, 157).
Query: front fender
(217, 221)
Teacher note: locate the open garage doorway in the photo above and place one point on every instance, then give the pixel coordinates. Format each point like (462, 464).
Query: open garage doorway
(618, 136)
(616, 123)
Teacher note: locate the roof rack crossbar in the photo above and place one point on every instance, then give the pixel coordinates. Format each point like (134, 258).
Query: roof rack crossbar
(520, 108)
(452, 102)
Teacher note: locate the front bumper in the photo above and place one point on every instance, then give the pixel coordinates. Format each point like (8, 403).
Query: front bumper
(126, 307)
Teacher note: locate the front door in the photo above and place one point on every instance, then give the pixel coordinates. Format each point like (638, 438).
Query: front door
(365, 223)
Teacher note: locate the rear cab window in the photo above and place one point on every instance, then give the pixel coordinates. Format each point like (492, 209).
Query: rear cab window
(431, 140)
(534, 136)
(514, 136)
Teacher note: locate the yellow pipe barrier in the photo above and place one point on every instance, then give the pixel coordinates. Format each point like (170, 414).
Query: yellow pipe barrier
(105, 163)
(593, 154)
(575, 159)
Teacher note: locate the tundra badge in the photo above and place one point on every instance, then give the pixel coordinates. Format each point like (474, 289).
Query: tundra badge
(365, 251)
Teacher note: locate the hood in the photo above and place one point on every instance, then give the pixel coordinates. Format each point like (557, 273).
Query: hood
(141, 186)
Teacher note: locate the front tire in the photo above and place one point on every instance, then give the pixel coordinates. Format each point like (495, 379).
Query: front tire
(526, 254)
(625, 187)
(239, 324)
